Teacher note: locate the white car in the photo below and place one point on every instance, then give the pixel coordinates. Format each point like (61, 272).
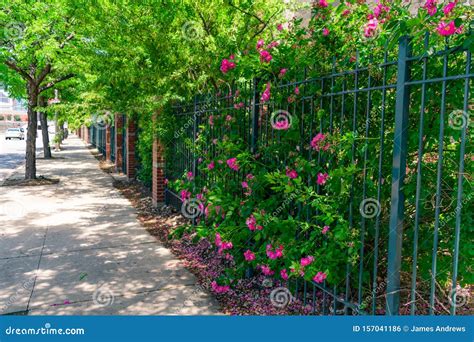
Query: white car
(18, 133)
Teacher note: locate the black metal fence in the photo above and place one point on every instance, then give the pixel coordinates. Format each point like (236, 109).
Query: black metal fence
(408, 197)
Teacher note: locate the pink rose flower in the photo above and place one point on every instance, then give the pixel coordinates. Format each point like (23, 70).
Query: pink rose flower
(282, 72)
(265, 56)
(249, 255)
(319, 277)
(284, 274)
(260, 43)
(306, 261)
(323, 3)
(211, 165)
(232, 163)
(292, 174)
(266, 270)
(185, 194)
(448, 8)
(218, 288)
(322, 178)
(325, 229)
(325, 32)
(446, 29)
(430, 7)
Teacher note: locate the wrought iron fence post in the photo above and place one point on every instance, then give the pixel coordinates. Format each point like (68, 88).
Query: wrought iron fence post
(195, 130)
(255, 104)
(398, 175)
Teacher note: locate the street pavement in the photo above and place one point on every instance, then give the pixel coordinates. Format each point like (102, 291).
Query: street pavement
(77, 248)
(12, 153)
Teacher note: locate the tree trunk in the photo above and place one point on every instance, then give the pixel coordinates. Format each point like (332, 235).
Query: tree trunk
(44, 129)
(30, 170)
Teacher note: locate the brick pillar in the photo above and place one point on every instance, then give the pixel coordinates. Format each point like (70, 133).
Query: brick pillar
(118, 142)
(107, 143)
(131, 143)
(79, 132)
(158, 174)
(86, 134)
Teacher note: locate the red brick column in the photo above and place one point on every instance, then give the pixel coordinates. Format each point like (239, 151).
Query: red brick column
(131, 142)
(158, 174)
(118, 142)
(86, 134)
(108, 149)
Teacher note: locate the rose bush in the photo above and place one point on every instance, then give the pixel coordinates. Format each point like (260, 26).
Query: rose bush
(282, 209)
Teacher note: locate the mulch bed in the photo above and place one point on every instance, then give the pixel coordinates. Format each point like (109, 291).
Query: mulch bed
(30, 182)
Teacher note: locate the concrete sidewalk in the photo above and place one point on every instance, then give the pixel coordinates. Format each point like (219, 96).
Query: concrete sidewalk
(77, 248)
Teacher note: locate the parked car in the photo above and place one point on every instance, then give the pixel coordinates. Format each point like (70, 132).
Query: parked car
(18, 133)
